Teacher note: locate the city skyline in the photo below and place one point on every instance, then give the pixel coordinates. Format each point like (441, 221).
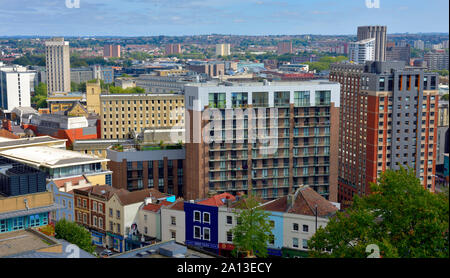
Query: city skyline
(192, 17)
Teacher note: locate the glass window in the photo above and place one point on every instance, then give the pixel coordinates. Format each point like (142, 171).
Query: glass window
(260, 99)
(239, 100)
(281, 99)
(217, 100)
(197, 216)
(197, 232)
(206, 234)
(301, 98)
(323, 97)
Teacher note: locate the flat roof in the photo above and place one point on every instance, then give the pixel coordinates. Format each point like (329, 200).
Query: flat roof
(12, 243)
(50, 157)
(6, 143)
(261, 84)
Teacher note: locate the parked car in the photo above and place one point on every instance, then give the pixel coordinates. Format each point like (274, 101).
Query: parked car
(106, 253)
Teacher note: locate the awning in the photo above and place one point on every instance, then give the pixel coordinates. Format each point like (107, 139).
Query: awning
(19, 213)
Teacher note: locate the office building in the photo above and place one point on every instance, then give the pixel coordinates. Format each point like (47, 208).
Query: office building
(379, 33)
(111, 51)
(24, 200)
(239, 155)
(16, 85)
(174, 48)
(148, 166)
(362, 51)
(284, 47)
(223, 49)
(122, 114)
(388, 118)
(57, 57)
(212, 68)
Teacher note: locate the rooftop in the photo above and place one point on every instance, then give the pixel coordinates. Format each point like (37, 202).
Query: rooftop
(166, 249)
(13, 243)
(216, 83)
(217, 200)
(49, 157)
(7, 143)
(304, 202)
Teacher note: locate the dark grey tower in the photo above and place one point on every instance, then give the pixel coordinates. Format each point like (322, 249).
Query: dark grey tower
(379, 33)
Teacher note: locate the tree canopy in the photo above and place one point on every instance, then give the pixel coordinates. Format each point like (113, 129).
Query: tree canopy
(40, 96)
(401, 217)
(75, 234)
(253, 231)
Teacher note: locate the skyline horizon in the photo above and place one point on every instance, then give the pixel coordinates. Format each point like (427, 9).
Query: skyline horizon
(140, 18)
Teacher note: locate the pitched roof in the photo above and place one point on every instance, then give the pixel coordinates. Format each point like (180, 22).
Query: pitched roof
(7, 134)
(152, 207)
(305, 200)
(217, 200)
(177, 205)
(133, 197)
(74, 180)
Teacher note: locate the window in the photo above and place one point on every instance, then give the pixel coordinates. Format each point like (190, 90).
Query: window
(305, 243)
(206, 234)
(281, 99)
(229, 236)
(173, 220)
(100, 208)
(173, 234)
(118, 214)
(145, 230)
(229, 219)
(100, 223)
(217, 100)
(295, 227)
(110, 212)
(206, 217)
(295, 242)
(301, 98)
(118, 228)
(94, 206)
(305, 228)
(197, 216)
(197, 232)
(3, 226)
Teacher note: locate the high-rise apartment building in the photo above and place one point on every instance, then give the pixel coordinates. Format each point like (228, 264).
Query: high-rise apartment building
(57, 55)
(284, 47)
(399, 53)
(436, 60)
(223, 49)
(380, 35)
(110, 50)
(389, 116)
(362, 51)
(125, 113)
(265, 139)
(16, 84)
(419, 44)
(173, 49)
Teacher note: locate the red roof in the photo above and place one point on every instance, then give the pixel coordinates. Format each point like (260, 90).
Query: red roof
(156, 207)
(218, 200)
(75, 181)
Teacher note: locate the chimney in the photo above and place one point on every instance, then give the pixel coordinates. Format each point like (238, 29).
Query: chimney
(148, 200)
(290, 200)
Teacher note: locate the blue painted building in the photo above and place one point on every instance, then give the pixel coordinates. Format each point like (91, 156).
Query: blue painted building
(65, 200)
(202, 222)
(274, 248)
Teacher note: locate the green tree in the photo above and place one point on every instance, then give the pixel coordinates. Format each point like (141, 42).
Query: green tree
(75, 234)
(253, 231)
(40, 96)
(400, 216)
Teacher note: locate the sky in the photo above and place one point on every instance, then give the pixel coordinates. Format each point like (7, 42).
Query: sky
(199, 17)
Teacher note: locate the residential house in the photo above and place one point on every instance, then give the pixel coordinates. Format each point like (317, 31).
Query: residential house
(173, 221)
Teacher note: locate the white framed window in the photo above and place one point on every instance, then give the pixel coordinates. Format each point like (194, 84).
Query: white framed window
(295, 242)
(197, 232)
(305, 228)
(229, 236)
(197, 217)
(229, 219)
(305, 244)
(295, 227)
(206, 234)
(206, 217)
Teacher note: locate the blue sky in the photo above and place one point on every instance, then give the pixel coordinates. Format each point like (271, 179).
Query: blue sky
(193, 17)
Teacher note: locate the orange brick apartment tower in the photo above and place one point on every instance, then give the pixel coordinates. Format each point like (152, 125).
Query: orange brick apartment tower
(388, 118)
(300, 145)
